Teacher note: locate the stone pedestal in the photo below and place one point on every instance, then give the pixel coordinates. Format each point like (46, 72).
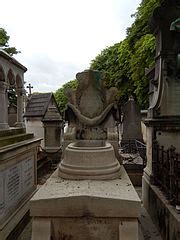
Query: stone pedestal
(85, 209)
(89, 159)
(18, 156)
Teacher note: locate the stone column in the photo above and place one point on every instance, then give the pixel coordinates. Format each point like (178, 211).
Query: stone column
(3, 106)
(20, 106)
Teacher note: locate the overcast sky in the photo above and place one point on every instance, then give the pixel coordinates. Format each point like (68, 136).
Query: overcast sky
(58, 38)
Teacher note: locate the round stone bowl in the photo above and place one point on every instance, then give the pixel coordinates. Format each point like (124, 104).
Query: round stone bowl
(89, 160)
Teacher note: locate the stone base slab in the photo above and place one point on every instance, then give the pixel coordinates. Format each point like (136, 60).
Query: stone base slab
(86, 209)
(85, 228)
(164, 215)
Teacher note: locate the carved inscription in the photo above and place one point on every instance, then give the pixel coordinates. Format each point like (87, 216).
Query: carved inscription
(15, 182)
(27, 173)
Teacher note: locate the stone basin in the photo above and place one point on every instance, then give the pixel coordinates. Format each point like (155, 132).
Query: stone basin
(89, 143)
(89, 159)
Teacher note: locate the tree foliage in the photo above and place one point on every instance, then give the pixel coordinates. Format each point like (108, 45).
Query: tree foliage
(12, 96)
(60, 95)
(4, 39)
(125, 62)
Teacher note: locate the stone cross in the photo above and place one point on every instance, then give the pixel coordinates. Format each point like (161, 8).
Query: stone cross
(29, 87)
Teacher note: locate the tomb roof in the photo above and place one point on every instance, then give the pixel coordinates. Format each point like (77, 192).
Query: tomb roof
(37, 105)
(12, 60)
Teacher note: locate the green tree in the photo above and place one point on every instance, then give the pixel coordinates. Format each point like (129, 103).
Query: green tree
(12, 97)
(4, 39)
(140, 26)
(142, 58)
(125, 62)
(60, 95)
(114, 62)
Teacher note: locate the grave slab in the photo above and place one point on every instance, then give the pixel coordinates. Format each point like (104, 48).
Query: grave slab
(86, 209)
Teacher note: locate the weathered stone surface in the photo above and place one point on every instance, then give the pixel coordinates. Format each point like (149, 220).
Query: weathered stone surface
(96, 207)
(91, 108)
(131, 121)
(12, 115)
(163, 123)
(88, 209)
(163, 214)
(89, 160)
(18, 150)
(117, 198)
(91, 122)
(17, 182)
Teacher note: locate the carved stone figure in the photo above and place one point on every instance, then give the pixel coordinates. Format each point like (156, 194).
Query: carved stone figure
(92, 117)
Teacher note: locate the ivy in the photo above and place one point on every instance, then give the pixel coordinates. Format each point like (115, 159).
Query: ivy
(125, 62)
(60, 95)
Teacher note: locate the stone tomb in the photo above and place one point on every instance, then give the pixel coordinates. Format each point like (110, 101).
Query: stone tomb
(90, 196)
(42, 117)
(18, 152)
(17, 181)
(163, 120)
(84, 210)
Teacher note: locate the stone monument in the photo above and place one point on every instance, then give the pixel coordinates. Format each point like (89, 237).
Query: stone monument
(91, 112)
(90, 196)
(131, 141)
(92, 115)
(18, 152)
(131, 121)
(163, 120)
(42, 117)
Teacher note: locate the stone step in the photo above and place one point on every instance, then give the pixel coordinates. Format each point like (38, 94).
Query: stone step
(8, 140)
(11, 131)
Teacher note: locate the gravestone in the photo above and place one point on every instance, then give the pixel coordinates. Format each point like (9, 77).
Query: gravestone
(18, 152)
(163, 120)
(132, 139)
(90, 196)
(131, 121)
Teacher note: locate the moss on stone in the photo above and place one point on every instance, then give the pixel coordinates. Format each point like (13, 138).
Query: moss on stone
(8, 140)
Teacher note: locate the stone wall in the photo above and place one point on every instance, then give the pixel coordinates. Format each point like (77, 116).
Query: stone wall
(35, 126)
(163, 214)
